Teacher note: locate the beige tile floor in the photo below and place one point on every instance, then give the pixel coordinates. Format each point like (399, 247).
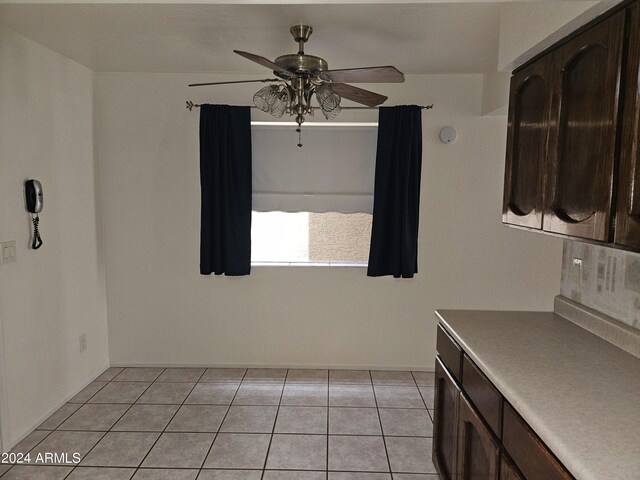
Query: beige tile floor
(239, 424)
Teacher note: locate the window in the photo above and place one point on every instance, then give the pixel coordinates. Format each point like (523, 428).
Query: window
(312, 205)
(308, 238)
(332, 172)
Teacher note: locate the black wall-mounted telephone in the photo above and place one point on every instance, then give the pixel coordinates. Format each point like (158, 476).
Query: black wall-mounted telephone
(35, 199)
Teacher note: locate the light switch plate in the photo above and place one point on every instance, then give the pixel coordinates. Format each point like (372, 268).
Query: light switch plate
(8, 252)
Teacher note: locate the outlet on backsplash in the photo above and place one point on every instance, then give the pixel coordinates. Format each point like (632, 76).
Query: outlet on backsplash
(576, 271)
(605, 279)
(83, 342)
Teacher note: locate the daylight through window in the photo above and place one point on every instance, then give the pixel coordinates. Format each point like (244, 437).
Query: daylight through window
(307, 238)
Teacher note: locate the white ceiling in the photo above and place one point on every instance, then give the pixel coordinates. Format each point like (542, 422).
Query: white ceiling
(416, 38)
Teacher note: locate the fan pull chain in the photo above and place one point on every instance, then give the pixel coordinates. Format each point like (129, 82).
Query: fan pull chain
(299, 130)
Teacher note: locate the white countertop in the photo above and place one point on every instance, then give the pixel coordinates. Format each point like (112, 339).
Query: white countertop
(579, 393)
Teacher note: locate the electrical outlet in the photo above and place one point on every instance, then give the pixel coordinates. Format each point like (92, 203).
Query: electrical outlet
(8, 252)
(576, 271)
(83, 342)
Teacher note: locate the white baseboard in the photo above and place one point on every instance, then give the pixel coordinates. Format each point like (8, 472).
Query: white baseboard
(413, 368)
(14, 441)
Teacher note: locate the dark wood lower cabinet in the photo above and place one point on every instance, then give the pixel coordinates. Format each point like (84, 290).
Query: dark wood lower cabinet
(445, 422)
(528, 451)
(478, 453)
(478, 435)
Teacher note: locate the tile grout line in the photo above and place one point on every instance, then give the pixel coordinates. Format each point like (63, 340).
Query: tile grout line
(198, 381)
(170, 420)
(91, 396)
(273, 429)
(328, 415)
(422, 397)
(114, 423)
(384, 440)
(49, 432)
(204, 460)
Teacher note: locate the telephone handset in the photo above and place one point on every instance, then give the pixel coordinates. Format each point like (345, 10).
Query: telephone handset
(35, 199)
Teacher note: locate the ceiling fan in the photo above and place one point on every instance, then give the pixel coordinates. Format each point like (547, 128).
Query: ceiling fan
(300, 76)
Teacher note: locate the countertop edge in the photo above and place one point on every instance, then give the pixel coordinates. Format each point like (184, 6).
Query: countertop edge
(511, 395)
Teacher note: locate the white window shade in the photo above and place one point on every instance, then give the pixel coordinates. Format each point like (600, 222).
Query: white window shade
(332, 172)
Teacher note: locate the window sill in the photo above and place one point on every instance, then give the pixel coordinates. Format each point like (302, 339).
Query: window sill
(308, 264)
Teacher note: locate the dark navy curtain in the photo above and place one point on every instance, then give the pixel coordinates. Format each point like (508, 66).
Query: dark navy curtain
(396, 200)
(225, 183)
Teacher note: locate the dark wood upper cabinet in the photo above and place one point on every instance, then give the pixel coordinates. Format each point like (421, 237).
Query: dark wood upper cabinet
(528, 126)
(628, 208)
(445, 423)
(478, 452)
(582, 136)
(573, 140)
(507, 470)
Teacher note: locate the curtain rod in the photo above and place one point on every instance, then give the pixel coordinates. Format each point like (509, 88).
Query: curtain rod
(191, 106)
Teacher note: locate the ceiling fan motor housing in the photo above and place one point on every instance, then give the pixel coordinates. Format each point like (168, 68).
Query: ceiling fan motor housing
(300, 64)
(303, 65)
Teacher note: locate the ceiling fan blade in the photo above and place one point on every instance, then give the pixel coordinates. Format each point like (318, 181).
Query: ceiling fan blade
(359, 95)
(264, 62)
(386, 74)
(236, 81)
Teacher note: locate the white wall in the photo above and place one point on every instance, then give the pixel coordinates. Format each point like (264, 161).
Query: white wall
(52, 295)
(161, 311)
(495, 92)
(527, 28)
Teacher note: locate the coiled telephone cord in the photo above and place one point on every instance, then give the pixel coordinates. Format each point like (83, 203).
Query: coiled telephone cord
(37, 240)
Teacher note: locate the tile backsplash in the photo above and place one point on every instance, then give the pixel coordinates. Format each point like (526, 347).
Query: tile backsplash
(602, 278)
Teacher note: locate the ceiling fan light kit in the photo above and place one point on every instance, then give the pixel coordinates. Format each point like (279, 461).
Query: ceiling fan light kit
(302, 76)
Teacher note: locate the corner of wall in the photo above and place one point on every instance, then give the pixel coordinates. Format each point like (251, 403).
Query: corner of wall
(51, 296)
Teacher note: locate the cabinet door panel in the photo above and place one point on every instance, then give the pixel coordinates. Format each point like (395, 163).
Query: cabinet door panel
(478, 453)
(445, 423)
(582, 137)
(628, 209)
(527, 145)
(507, 470)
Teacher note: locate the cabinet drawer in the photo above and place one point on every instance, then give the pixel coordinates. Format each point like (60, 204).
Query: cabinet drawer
(450, 352)
(483, 394)
(533, 458)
